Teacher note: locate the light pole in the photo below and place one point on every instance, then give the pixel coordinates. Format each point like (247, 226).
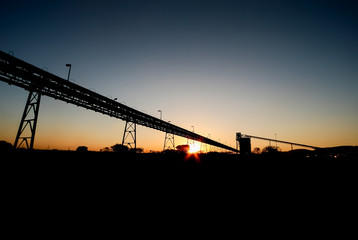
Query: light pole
(160, 114)
(193, 128)
(276, 140)
(69, 71)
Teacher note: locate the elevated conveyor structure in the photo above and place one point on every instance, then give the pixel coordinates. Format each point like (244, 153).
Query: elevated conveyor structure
(22, 74)
(240, 135)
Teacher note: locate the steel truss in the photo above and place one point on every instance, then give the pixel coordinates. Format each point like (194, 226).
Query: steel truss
(130, 135)
(239, 135)
(169, 141)
(22, 74)
(28, 121)
(203, 147)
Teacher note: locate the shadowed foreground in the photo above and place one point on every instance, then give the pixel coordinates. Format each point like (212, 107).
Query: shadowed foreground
(109, 181)
(113, 163)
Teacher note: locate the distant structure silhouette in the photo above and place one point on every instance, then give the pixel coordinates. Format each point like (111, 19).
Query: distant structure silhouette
(244, 141)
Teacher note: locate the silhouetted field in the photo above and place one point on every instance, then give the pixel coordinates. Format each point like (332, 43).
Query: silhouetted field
(114, 163)
(75, 179)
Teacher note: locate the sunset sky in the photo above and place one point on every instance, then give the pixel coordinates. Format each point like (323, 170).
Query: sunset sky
(258, 67)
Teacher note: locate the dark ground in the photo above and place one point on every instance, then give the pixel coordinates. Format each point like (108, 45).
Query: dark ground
(110, 175)
(94, 187)
(111, 164)
(110, 172)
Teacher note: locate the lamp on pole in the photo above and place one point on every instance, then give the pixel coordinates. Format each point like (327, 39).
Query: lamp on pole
(160, 114)
(69, 71)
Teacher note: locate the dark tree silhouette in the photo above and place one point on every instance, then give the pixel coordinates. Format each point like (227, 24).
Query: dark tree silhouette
(137, 150)
(270, 149)
(119, 148)
(256, 150)
(183, 148)
(106, 149)
(5, 146)
(82, 149)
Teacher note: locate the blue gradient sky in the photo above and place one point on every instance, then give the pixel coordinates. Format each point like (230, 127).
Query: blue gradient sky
(258, 67)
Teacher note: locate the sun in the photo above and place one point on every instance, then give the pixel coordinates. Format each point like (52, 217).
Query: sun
(194, 148)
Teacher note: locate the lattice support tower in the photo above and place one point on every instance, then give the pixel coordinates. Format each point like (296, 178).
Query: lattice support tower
(203, 147)
(169, 141)
(130, 135)
(27, 129)
(190, 142)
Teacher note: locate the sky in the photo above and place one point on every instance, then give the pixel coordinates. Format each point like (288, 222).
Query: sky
(262, 68)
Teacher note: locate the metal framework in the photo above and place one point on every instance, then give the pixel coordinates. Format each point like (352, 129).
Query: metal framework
(27, 128)
(169, 141)
(22, 74)
(130, 135)
(203, 147)
(239, 135)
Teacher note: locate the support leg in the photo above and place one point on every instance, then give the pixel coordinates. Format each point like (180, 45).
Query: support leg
(203, 147)
(130, 135)
(27, 128)
(169, 141)
(237, 146)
